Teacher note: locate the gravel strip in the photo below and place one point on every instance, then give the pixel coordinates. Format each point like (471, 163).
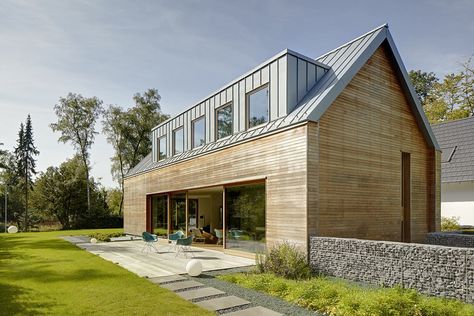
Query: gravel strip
(255, 297)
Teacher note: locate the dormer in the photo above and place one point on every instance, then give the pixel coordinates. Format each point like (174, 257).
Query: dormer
(268, 92)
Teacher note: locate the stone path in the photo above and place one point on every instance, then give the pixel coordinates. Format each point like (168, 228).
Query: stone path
(211, 298)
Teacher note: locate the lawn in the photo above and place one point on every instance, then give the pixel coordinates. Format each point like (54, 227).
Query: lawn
(43, 274)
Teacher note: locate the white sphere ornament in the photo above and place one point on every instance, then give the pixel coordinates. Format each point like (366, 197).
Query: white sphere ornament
(194, 268)
(93, 241)
(12, 229)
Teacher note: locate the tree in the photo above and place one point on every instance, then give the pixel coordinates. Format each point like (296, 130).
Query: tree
(77, 117)
(424, 83)
(467, 87)
(29, 163)
(128, 132)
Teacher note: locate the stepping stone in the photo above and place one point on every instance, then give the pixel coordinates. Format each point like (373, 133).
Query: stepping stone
(254, 311)
(167, 279)
(199, 293)
(177, 286)
(216, 304)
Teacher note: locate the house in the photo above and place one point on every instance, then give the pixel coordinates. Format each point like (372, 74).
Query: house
(456, 139)
(333, 146)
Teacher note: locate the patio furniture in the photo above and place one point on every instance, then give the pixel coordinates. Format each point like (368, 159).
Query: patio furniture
(198, 236)
(172, 238)
(219, 235)
(183, 245)
(150, 241)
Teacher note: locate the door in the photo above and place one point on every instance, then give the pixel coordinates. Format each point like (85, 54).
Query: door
(406, 196)
(193, 213)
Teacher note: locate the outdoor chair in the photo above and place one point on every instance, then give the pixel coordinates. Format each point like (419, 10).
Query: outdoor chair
(198, 236)
(150, 241)
(172, 238)
(219, 236)
(184, 246)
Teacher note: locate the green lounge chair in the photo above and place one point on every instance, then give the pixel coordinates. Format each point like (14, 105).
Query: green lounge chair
(172, 238)
(184, 246)
(150, 241)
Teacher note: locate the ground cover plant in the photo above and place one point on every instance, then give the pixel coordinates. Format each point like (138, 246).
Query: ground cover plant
(106, 236)
(41, 274)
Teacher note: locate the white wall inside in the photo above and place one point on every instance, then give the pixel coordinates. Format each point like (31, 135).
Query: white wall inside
(457, 199)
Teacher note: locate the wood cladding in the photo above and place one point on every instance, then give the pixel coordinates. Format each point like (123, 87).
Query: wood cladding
(361, 136)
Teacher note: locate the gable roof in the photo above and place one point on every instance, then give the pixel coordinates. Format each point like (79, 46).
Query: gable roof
(343, 63)
(456, 139)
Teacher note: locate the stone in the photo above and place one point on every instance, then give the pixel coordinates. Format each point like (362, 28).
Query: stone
(167, 279)
(199, 293)
(182, 285)
(225, 302)
(254, 311)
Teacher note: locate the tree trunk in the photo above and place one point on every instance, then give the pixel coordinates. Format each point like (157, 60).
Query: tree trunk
(26, 193)
(88, 191)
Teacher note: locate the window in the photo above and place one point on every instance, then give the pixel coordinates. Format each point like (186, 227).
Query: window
(162, 148)
(178, 141)
(159, 215)
(257, 107)
(199, 132)
(224, 121)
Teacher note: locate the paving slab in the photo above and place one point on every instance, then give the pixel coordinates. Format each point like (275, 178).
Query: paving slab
(254, 311)
(225, 302)
(167, 279)
(199, 293)
(177, 286)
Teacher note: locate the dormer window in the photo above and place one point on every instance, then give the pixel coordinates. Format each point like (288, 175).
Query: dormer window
(258, 106)
(162, 148)
(199, 132)
(224, 121)
(178, 141)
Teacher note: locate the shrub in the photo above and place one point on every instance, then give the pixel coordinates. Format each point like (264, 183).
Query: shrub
(450, 223)
(105, 236)
(284, 260)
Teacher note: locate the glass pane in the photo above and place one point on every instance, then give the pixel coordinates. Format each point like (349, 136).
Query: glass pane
(162, 148)
(178, 213)
(178, 141)
(258, 107)
(199, 132)
(224, 121)
(192, 214)
(245, 218)
(159, 214)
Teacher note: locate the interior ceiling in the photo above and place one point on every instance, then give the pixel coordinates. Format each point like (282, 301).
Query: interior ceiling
(217, 189)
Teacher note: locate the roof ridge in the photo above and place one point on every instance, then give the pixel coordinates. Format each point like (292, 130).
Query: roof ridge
(353, 40)
(453, 121)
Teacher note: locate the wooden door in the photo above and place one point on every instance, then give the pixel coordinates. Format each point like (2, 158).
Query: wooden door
(406, 196)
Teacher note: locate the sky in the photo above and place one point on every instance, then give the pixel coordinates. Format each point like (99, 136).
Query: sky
(188, 49)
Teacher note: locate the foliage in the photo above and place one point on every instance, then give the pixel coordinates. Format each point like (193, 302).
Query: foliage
(77, 117)
(114, 200)
(450, 223)
(338, 297)
(448, 99)
(41, 274)
(128, 132)
(100, 236)
(285, 260)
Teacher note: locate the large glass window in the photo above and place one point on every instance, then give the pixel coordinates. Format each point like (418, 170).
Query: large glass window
(178, 212)
(199, 132)
(245, 217)
(257, 106)
(162, 148)
(178, 141)
(224, 121)
(159, 214)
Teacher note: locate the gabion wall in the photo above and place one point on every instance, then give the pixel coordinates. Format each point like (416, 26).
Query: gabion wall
(453, 239)
(433, 270)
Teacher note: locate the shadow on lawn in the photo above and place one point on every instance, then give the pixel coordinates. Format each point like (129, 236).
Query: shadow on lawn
(16, 300)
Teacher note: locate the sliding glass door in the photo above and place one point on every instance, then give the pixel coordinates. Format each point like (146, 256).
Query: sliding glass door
(159, 214)
(178, 213)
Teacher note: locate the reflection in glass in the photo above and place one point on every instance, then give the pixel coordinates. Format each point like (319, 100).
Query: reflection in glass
(178, 212)
(224, 121)
(258, 107)
(245, 218)
(178, 141)
(159, 214)
(199, 132)
(162, 148)
(193, 205)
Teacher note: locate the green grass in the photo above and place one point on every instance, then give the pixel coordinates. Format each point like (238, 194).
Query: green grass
(337, 297)
(42, 274)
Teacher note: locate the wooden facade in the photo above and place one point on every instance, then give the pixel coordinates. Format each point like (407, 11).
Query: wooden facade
(340, 176)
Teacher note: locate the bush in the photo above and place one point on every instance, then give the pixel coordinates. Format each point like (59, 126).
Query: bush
(450, 223)
(338, 297)
(105, 236)
(284, 260)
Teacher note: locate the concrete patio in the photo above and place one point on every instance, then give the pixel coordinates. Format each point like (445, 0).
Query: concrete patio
(129, 255)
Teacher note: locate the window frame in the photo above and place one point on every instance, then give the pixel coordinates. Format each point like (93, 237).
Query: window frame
(247, 106)
(193, 122)
(158, 148)
(174, 140)
(231, 104)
